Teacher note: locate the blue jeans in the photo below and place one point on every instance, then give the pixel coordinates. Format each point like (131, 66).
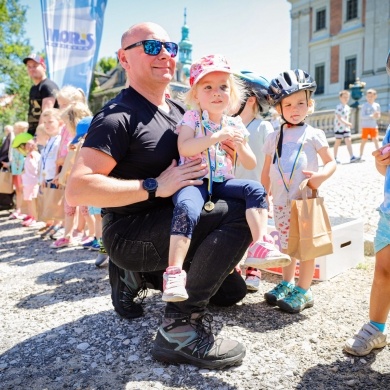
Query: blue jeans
(189, 201)
(140, 243)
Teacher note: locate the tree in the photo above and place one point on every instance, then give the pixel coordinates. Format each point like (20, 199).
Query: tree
(103, 66)
(13, 48)
(106, 64)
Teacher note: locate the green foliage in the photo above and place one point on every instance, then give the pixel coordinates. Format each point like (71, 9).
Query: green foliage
(106, 64)
(13, 48)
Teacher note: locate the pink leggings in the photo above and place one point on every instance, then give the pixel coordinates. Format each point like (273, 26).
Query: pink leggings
(71, 211)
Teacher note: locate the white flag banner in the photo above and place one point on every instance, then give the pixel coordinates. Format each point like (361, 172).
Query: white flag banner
(72, 32)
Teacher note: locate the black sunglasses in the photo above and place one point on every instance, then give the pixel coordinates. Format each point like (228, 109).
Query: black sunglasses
(153, 47)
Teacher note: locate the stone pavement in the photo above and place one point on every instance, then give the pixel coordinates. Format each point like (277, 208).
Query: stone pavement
(355, 191)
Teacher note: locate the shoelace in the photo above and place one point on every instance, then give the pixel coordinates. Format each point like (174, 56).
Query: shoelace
(174, 280)
(129, 296)
(203, 328)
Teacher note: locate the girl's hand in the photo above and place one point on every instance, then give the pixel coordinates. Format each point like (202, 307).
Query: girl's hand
(229, 147)
(315, 179)
(227, 132)
(382, 155)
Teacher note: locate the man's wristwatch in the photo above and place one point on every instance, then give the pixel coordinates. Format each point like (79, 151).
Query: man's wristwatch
(150, 185)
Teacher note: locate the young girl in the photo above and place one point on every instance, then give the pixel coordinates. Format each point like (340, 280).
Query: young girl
(51, 118)
(214, 91)
(256, 103)
(30, 179)
(291, 156)
(71, 116)
(17, 165)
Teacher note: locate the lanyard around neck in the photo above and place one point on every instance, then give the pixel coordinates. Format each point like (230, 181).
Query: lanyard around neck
(212, 168)
(287, 184)
(46, 155)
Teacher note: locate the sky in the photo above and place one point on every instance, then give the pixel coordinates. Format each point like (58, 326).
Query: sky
(253, 34)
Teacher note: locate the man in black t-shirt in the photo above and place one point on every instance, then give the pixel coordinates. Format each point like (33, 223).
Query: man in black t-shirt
(42, 93)
(128, 166)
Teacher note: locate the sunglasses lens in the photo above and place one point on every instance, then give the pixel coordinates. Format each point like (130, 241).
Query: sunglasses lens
(152, 47)
(171, 48)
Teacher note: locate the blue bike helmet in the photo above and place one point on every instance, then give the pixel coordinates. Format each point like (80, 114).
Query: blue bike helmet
(258, 86)
(290, 82)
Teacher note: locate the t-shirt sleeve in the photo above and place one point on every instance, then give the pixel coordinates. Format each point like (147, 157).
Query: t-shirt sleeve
(108, 133)
(190, 119)
(48, 89)
(319, 139)
(269, 144)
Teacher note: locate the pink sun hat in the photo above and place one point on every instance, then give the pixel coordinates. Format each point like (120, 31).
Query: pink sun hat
(206, 65)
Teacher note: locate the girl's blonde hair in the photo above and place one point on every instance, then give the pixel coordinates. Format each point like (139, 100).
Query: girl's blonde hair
(71, 94)
(237, 95)
(73, 114)
(20, 127)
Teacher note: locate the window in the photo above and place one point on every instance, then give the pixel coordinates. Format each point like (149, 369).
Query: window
(321, 19)
(320, 79)
(350, 72)
(352, 9)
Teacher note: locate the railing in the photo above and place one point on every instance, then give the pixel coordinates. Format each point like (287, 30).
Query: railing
(325, 120)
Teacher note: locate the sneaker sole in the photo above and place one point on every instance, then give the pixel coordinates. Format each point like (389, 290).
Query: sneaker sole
(170, 356)
(101, 259)
(355, 352)
(174, 298)
(287, 308)
(269, 263)
(271, 299)
(249, 287)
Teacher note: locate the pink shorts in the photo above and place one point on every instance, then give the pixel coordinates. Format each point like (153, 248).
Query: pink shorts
(30, 192)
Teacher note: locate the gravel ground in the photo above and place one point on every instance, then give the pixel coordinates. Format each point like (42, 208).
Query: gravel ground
(58, 328)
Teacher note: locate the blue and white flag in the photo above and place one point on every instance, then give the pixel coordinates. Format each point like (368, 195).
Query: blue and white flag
(72, 32)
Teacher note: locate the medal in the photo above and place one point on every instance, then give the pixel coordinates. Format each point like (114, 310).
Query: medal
(209, 206)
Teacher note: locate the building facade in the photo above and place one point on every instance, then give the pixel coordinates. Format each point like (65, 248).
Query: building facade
(337, 41)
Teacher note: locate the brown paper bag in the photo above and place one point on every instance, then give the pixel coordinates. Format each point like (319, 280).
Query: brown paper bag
(51, 203)
(310, 233)
(6, 186)
(69, 162)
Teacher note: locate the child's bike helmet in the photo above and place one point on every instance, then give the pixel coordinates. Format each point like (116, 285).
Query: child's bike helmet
(290, 82)
(258, 86)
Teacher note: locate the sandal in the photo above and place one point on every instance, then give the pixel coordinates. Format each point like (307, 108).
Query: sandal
(54, 230)
(45, 231)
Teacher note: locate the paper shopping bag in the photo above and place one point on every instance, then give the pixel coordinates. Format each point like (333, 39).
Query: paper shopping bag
(69, 162)
(6, 186)
(51, 203)
(310, 233)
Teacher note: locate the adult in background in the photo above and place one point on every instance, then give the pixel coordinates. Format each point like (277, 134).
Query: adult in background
(42, 93)
(128, 166)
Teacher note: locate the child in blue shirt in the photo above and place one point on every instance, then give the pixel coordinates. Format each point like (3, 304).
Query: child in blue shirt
(373, 334)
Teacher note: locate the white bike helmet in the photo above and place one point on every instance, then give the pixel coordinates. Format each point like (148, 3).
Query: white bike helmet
(290, 82)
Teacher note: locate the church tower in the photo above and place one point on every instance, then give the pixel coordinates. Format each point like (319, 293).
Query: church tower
(185, 54)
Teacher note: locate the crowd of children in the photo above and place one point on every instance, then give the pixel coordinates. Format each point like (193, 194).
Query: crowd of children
(36, 162)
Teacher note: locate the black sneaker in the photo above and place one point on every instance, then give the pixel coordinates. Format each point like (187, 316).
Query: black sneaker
(189, 340)
(102, 258)
(126, 286)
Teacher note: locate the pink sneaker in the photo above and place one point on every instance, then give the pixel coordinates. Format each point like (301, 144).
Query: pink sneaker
(26, 220)
(174, 282)
(264, 254)
(61, 242)
(30, 222)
